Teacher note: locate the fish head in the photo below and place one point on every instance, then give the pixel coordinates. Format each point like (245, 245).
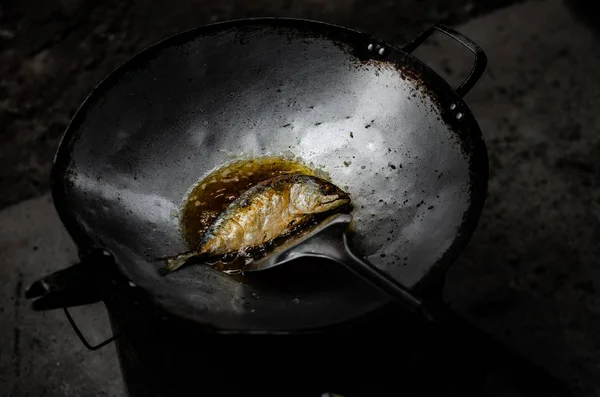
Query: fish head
(313, 196)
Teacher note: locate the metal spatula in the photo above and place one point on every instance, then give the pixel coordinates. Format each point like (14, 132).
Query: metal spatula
(328, 239)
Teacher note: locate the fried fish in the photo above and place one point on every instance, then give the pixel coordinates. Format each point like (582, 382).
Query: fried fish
(268, 210)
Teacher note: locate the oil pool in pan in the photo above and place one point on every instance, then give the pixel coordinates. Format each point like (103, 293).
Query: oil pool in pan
(209, 197)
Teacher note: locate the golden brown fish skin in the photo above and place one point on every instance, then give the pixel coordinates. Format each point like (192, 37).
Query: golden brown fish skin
(269, 210)
(266, 211)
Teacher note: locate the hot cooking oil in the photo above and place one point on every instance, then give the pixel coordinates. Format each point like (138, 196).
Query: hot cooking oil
(211, 195)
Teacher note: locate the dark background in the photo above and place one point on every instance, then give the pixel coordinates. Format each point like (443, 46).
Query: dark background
(530, 274)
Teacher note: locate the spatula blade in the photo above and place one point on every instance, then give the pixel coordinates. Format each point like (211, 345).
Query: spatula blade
(308, 243)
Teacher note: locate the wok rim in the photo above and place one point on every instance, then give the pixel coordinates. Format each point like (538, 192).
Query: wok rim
(478, 157)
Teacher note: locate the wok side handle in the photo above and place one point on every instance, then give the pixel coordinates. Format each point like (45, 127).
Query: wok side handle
(480, 61)
(82, 338)
(81, 284)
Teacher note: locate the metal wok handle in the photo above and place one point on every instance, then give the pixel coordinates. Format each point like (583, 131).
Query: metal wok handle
(81, 284)
(480, 58)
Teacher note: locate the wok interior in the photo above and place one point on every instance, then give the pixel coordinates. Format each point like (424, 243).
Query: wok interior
(199, 101)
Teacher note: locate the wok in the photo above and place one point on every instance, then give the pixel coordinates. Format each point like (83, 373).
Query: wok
(382, 124)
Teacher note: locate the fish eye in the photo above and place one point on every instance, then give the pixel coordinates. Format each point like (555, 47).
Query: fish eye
(326, 189)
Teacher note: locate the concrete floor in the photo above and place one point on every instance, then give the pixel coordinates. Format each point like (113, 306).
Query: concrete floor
(529, 276)
(41, 355)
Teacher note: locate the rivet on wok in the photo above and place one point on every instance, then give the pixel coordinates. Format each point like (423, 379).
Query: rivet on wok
(459, 116)
(453, 106)
(370, 47)
(381, 51)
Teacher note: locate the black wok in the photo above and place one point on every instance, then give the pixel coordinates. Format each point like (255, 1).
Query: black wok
(384, 126)
(381, 123)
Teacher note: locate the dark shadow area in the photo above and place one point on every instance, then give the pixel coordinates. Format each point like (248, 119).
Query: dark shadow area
(587, 11)
(305, 276)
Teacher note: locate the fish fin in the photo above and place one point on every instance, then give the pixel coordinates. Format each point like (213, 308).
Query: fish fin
(174, 263)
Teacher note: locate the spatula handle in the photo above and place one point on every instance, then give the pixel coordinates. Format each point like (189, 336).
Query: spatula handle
(380, 279)
(463, 337)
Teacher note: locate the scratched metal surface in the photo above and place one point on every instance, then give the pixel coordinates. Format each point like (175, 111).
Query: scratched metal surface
(381, 127)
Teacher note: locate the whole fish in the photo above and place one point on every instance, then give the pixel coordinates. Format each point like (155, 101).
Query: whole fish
(270, 209)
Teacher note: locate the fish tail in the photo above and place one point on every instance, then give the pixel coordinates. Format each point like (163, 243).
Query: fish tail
(175, 263)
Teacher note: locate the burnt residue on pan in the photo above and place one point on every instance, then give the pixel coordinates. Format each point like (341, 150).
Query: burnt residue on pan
(119, 175)
(452, 110)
